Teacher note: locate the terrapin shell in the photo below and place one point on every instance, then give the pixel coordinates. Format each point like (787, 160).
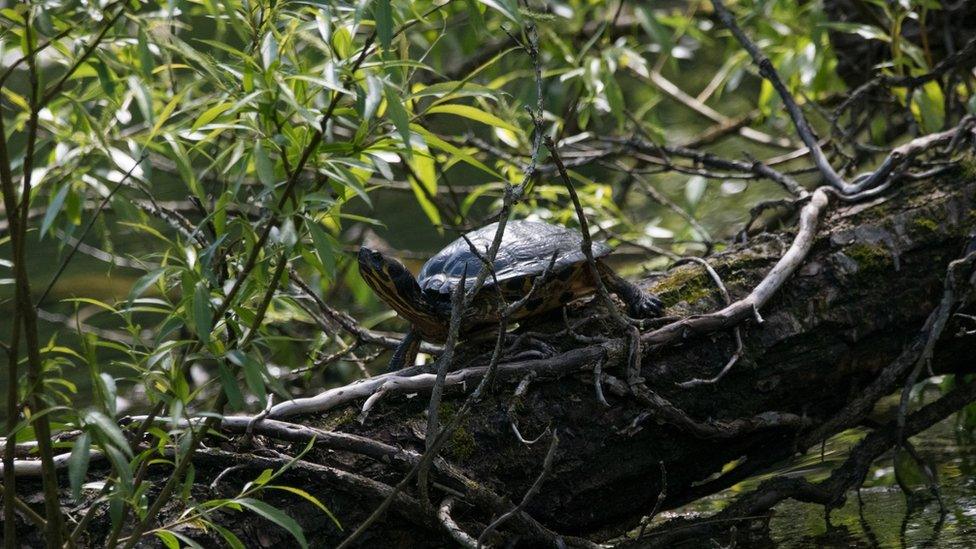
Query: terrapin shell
(526, 249)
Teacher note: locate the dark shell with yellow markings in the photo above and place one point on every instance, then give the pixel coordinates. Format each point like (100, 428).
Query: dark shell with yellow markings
(526, 250)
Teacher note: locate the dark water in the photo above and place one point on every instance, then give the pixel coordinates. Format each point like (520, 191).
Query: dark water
(883, 518)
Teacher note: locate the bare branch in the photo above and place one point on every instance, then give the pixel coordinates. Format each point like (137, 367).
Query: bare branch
(455, 531)
(799, 120)
(546, 466)
(736, 331)
(676, 93)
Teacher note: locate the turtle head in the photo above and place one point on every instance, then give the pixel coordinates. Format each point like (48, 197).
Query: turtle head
(395, 285)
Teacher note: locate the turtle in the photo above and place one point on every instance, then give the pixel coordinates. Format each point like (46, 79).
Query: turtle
(528, 250)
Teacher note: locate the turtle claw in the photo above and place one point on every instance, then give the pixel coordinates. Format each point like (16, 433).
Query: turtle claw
(529, 348)
(640, 303)
(541, 347)
(646, 305)
(406, 352)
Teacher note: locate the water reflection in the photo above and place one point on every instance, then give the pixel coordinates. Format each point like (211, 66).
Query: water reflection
(880, 515)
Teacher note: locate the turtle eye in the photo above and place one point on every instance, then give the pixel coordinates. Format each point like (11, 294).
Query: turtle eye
(371, 258)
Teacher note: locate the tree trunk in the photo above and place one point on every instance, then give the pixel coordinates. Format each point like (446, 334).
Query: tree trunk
(874, 273)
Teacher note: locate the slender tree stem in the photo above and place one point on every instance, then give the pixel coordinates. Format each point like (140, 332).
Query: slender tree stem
(13, 401)
(23, 508)
(25, 307)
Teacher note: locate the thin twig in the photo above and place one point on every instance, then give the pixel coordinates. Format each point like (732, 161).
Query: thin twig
(803, 128)
(586, 244)
(736, 331)
(950, 297)
(658, 502)
(455, 531)
(40, 47)
(87, 229)
(676, 93)
(520, 391)
(458, 305)
(598, 383)
(25, 314)
(532, 491)
(346, 322)
(663, 200)
(464, 295)
(55, 88)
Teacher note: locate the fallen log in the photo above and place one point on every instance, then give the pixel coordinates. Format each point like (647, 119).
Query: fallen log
(859, 299)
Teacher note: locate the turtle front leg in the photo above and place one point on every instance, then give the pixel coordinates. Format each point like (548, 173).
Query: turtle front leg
(640, 303)
(406, 352)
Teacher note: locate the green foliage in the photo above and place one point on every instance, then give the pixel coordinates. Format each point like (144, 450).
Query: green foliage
(237, 142)
(926, 102)
(202, 514)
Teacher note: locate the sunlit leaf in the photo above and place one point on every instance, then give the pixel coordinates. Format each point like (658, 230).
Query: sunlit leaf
(423, 180)
(15, 98)
(168, 539)
(439, 143)
(143, 98)
(374, 94)
(505, 7)
(695, 189)
(110, 392)
(210, 115)
(869, 32)
(473, 113)
(342, 42)
(263, 478)
(454, 89)
(167, 112)
(53, 209)
(269, 51)
(928, 105)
